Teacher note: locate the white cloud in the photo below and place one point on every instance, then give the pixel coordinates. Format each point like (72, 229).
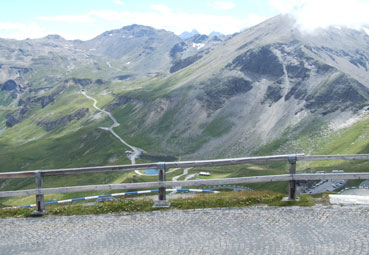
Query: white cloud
(366, 30)
(118, 2)
(284, 6)
(312, 14)
(21, 31)
(107, 15)
(161, 8)
(222, 5)
(84, 18)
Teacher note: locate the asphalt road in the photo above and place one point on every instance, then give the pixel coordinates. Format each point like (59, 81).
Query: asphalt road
(249, 230)
(326, 186)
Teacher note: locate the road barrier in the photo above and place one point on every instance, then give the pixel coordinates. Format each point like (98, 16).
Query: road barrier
(162, 184)
(116, 195)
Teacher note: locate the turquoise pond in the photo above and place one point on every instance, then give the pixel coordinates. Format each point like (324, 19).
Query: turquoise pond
(151, 171)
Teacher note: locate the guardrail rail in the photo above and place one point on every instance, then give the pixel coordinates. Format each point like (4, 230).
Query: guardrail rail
(162, 184)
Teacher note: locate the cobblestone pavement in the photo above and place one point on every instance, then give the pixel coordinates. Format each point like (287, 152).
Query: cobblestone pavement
(249, 230)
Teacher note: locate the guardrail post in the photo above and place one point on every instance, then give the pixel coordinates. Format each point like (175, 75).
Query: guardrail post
(162, 202)
(40, 205)
(292, 184)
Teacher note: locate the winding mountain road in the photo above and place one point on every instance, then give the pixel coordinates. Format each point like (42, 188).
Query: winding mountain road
(175, 178)
(185, 172)
(114, 68)
(136, 151)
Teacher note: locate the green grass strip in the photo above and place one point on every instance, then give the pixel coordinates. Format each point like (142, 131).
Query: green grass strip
(221, 200)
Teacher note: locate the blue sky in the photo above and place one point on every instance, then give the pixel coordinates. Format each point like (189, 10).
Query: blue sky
(85, 19)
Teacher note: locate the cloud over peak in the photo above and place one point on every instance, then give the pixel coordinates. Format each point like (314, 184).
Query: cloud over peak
(223, 5)
(313, 14)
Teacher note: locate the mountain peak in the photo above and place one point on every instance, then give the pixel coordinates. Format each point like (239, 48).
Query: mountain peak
(186, 35)
(131, 31)
(54, 37)
(136, 27)
(214, 33)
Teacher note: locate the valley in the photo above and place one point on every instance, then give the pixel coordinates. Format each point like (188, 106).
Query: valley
(269, 89)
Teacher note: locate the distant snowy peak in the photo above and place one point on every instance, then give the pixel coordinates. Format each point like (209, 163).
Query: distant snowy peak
(213, 34)
(186, 35)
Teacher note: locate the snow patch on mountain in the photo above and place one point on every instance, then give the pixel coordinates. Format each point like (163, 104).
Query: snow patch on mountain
(198, 45)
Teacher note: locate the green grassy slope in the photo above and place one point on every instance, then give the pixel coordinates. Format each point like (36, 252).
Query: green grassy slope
(317, 139)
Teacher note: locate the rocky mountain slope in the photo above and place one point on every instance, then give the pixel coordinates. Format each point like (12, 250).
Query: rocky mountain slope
(268, 89)
(141, 48)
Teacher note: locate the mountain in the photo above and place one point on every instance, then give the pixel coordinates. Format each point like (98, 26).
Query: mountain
(186, 35)
(191, 49)
(141, 48)
(212, 34)
(269, 89)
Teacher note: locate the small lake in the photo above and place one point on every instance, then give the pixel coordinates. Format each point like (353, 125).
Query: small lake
(151, 171)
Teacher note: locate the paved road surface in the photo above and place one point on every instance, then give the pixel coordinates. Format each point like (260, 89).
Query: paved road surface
(357, 192)
(326, 186)
(249, 230)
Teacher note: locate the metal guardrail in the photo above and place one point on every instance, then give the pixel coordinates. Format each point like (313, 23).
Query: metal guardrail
(162, 184)
(182, 164)
(117, 195)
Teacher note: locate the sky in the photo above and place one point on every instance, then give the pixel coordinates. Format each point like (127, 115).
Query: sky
(85, 19)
